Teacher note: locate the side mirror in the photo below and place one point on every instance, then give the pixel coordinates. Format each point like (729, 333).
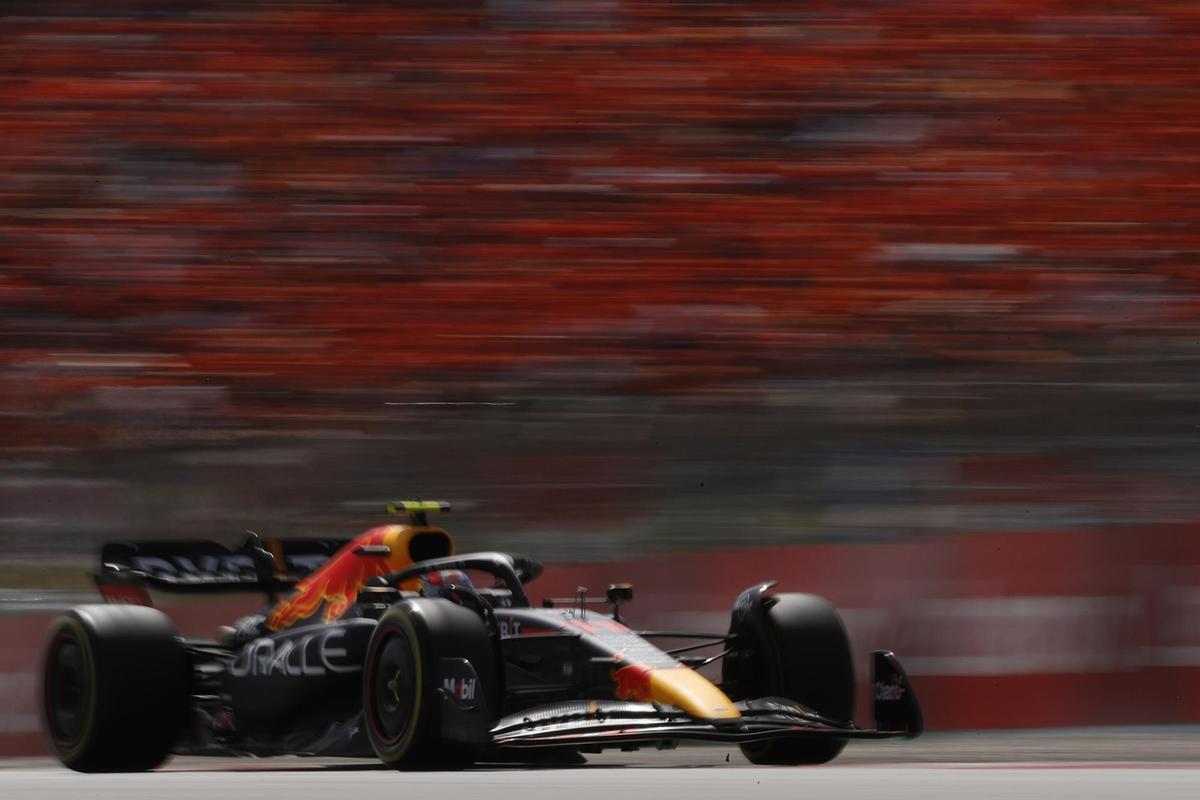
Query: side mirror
(620, 593)
(374, 600)
(617, 594)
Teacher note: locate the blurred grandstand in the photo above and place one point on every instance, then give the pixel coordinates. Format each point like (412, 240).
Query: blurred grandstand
(809, 270)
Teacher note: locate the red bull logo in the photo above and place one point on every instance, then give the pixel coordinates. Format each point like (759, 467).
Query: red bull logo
(332, 589)
(633, 682)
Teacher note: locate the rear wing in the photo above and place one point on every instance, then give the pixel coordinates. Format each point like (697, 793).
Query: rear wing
(129, 569)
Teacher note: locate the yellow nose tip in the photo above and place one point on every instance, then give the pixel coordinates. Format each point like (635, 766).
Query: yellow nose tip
(691, 691)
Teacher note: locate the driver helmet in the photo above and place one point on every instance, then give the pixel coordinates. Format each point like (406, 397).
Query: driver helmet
(443, 583)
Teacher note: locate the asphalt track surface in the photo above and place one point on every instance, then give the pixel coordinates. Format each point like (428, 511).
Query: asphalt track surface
(1130, 764)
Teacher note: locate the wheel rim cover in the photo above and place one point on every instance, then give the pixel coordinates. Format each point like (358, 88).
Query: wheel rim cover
(393, 691)
(66, 691)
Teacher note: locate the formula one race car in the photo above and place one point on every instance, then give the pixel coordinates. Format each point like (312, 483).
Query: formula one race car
(391, 646)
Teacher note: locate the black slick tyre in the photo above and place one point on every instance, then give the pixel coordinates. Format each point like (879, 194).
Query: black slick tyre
(430, 691)
(115, 688)
(795, 646)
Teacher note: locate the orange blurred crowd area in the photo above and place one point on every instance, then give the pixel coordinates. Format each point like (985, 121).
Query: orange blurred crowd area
(479, 199)
(312, 188)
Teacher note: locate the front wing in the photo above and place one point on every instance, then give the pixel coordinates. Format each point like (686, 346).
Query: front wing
(601, 723)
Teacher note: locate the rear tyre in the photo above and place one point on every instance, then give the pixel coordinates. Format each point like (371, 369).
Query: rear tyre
(430, 686)
(115, 688)
(795, 646)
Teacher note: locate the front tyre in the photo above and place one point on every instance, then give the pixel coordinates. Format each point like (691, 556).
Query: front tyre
(115, 688)
(429, 685)
(793, 646)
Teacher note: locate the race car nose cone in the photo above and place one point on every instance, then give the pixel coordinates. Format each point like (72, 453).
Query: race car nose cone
(692, 692)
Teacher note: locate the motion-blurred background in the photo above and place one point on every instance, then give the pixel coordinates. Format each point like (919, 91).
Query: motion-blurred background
(894, 301)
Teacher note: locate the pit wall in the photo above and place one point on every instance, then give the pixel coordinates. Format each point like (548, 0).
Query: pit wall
(1051, 629)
